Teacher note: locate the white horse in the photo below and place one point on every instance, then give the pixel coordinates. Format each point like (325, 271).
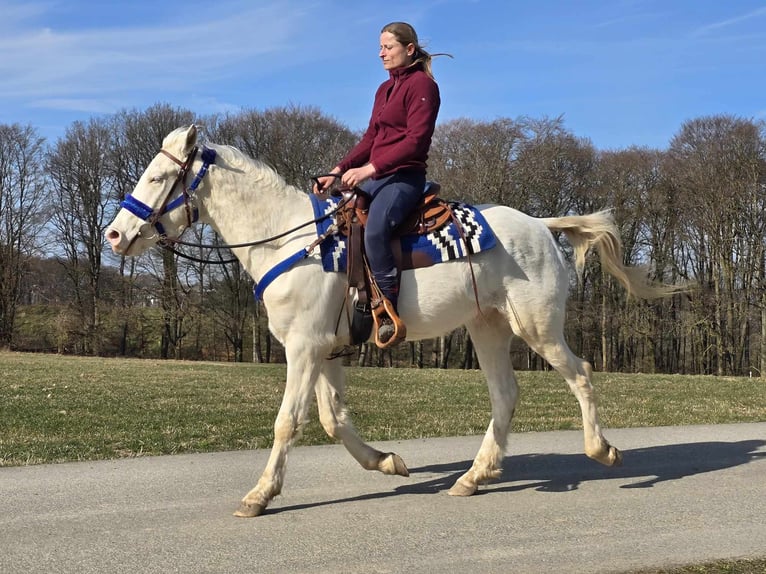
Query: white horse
(522, 286)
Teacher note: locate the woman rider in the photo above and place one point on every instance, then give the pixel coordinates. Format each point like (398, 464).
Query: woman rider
(389, 162)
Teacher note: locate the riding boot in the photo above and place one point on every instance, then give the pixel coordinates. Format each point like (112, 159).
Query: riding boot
(388, 284)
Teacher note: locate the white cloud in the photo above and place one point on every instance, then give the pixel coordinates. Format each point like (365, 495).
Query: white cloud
(730, 21)
(68, 68)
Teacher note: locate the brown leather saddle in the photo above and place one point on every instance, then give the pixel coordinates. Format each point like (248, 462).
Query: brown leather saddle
(371, 306)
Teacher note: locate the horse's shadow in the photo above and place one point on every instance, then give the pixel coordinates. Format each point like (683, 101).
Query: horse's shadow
(566, 472)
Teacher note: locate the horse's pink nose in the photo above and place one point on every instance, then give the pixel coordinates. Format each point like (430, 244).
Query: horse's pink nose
(113, 237)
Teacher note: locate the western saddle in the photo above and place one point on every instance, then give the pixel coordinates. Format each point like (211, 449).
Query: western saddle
(371, 306)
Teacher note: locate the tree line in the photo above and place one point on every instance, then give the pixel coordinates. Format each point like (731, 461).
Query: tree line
(691, 214)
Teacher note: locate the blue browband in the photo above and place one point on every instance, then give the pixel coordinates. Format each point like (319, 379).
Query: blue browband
(152, 216)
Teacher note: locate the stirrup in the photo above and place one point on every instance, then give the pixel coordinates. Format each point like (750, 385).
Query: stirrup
(383, 312)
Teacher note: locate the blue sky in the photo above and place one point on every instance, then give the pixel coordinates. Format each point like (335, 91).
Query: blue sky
(620, 72)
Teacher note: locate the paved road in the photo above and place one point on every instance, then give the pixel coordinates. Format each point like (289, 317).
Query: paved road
(684, 494)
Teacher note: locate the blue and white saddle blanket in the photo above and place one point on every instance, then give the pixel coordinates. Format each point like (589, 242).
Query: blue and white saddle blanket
(444, 244)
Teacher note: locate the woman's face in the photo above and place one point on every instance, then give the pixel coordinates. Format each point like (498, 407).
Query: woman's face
(393, 53)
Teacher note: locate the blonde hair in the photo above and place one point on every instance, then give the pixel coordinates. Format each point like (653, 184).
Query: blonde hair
(405, 34)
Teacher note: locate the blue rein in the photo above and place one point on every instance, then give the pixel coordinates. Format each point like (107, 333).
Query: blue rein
(151, 215)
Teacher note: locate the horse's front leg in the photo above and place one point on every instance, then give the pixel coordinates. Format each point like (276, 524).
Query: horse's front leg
(337, 422)
(303, 360)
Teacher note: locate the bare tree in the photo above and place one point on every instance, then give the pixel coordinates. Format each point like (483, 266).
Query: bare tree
(631, 181)
(553, 168)
(80, 177)
(21, 215)
(472, 160)
(229, 299)
(717, 167)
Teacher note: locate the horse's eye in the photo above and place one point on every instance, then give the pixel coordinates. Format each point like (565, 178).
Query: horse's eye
(156, 179)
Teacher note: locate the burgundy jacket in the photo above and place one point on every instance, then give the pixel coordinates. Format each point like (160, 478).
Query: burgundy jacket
(402, 123)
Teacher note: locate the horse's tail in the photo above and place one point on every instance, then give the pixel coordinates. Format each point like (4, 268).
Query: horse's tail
(599, 230)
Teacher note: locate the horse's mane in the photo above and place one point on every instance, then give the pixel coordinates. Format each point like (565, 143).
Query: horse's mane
(255, 168)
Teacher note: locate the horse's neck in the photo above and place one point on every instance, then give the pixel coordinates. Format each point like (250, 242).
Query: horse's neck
(254, 204)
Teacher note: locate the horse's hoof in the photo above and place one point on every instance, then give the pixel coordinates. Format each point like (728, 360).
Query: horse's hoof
(461, 488)
(249, 510)
(393, 464)
(607, 455)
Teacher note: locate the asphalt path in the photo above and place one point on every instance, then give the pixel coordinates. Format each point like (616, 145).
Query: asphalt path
(683, 495)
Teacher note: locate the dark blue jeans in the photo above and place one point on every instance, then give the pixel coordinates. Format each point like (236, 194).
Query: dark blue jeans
(393, 198)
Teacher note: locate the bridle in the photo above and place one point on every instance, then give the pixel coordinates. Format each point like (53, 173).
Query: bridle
(185, 199)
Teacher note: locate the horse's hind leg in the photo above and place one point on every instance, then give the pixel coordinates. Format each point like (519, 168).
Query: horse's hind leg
(578, 373)
(337, 422)
(492, 339)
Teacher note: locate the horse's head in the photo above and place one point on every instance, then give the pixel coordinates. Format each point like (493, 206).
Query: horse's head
(161, 206)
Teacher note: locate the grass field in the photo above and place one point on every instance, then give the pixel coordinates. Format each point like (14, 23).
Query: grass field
(56, 408)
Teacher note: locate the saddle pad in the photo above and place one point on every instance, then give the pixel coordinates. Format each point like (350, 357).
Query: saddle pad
(444, 244)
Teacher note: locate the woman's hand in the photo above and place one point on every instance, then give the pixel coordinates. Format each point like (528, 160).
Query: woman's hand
(357, 175)
(325, 182)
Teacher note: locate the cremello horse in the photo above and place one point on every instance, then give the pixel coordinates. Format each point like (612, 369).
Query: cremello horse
(522, 286)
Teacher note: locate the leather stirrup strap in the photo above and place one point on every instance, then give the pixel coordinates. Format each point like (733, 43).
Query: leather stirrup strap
(356, 262)
(461, 232)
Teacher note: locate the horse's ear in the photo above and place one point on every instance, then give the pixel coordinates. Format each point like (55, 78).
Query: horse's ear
(191, 139)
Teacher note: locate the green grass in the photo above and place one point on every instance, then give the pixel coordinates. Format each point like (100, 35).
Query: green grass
(757, 566)
(58, 408)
